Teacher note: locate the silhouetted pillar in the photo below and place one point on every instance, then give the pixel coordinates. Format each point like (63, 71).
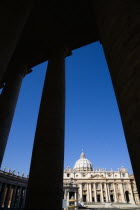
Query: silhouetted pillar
(45, 187)
(7, 197)
(2, 194)
(13, 197)
(8, 101)
(118, 25)
(24, 198)
(14, 15)
(19, 197)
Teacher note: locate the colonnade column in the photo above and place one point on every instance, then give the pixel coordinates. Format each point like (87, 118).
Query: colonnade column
(75, 196)
(13, 197)
(24, 198)
(108, 191)
(17, 17)
(65, 194)
(106, 194)
(102, 199)
(45, 186)
(95, 194)
(115, 196)
(122, 193)
(87, 192)
(68, 197)
(118, 25)
(19, 197)
(8, 101)
(90, 193)
(80, 192)
(7, 196)
(131, 193)
(2, 195)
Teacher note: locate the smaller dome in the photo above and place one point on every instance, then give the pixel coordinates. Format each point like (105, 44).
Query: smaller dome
(83, 164)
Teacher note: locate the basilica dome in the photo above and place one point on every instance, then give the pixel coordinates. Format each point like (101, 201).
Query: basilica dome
(83, 164)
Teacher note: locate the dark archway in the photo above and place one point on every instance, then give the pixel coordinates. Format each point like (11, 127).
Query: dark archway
(98, 198)
(127, 196)
(84, 198)
(111, 198)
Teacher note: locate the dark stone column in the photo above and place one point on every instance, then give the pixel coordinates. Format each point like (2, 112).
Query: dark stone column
(24, 198)
(13, 197)
(14, 16)
(7, 197)
(45, 187)
(19, 197)
(8, 101)
(2, 194)
(119, 30)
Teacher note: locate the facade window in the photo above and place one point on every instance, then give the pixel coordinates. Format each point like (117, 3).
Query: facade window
(84, 198)
(97, 186)
(68, 175)
(98, 198)
(110, 185)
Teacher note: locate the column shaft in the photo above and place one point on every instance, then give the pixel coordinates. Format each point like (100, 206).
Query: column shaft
(18, 203)
(17, 17)
(102, 199)
(46, 181)
(118, 25)
(90, 193)
(80, 192)
(13, 197)
(95, 194)
(122, 193)
(8, 101)
(87, 192)
(115, 196)
(7, 197)
(108, 192)
(131, 194)
(68, 197)
(2, 195)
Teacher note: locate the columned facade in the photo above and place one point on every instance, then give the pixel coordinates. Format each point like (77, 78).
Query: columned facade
(100, 185)
(12, 190)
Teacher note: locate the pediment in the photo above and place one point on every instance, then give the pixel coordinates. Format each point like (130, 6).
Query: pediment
(96, 176)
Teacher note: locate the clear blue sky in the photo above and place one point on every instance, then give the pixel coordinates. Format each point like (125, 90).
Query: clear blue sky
(92, 117)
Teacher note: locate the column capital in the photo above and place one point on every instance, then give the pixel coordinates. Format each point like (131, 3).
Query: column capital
(59, 51)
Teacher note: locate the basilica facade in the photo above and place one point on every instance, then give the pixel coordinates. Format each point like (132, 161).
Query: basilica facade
(100, 185)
